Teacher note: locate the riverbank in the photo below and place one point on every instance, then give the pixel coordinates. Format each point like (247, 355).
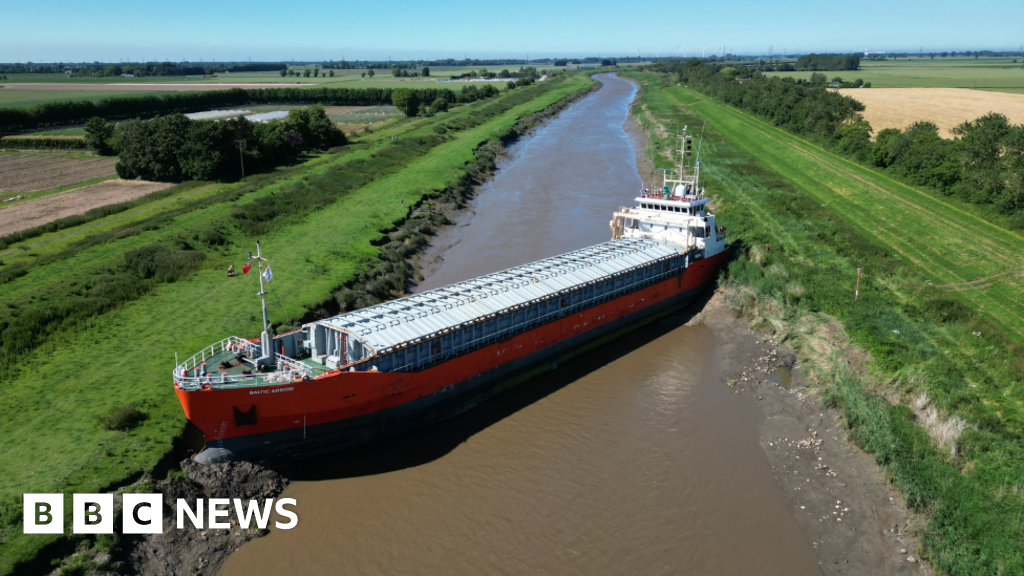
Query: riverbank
(855, 520)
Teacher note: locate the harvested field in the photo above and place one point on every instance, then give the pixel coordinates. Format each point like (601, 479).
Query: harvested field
(32, 172)
(32, 213)
(946, 107)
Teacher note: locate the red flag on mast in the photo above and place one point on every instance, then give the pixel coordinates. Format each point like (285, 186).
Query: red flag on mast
(245, 269)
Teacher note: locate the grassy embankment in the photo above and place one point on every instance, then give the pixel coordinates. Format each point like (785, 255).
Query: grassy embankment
(940, 313)
(317, 223)
(999, 74)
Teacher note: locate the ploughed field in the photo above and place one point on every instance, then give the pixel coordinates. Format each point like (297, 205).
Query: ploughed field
(39, 211)
(31, 172)
(945, 107)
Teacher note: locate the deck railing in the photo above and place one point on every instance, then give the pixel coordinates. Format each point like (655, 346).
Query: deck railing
(188, 375)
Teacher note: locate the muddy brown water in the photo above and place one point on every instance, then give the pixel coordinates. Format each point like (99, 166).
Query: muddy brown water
(633, 459)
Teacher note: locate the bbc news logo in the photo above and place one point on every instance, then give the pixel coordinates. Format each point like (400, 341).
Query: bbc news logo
(144, 513)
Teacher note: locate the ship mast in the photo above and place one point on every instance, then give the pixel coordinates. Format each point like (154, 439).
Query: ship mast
(266, 355)
(685, 145)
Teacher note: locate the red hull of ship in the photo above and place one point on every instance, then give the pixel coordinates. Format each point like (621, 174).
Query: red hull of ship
(338, 396)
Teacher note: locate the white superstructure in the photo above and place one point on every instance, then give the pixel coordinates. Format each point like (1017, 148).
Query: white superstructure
(675, 214)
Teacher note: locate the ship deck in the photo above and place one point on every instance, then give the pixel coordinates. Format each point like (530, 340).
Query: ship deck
(217, 372)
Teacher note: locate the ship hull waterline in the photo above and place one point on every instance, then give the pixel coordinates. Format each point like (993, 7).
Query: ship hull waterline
(346, 409)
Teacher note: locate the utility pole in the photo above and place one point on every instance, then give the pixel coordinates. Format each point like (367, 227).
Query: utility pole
(241, 156)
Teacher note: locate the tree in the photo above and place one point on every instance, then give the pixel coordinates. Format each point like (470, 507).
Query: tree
(439, 105)
(331, 73)
(363, 75)
(406, 100)
(818, 78)
(370, 73)
(426, 71)
(98, 134)
(314, 127)
(504, 73)
(305, 73)
(284, 72)
(511, 85)
(561, 63)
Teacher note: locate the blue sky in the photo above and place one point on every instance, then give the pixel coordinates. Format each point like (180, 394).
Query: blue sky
(115, 30)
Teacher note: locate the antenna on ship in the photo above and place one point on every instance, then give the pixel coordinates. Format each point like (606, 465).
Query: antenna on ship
(266, 353)
(696, 170)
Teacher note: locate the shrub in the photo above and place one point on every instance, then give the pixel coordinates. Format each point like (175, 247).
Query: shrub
(161, 263)
(121, 418)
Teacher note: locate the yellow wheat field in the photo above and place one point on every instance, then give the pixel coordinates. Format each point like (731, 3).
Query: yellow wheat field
(946, 107)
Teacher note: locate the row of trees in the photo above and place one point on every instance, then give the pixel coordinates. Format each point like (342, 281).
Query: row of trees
(410, 103)
(983, 163)
(137, 69)
(828, 62)
(174, 148)
(306, 73)
(801, 108)
(123, 107)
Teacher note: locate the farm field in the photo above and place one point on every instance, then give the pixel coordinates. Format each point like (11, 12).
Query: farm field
(24, 93)
(54, 447)
(939, 402)
(983, 73)
(436, 72)
(25, 98)
(946, 107)
(39, 211)
(34, 171)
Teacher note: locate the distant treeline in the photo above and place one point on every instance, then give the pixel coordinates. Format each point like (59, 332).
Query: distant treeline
(983, 164)
(828, 62)
(123, 107)
(140, 69)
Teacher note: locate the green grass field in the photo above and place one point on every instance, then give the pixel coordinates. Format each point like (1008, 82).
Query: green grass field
(1000, 74)
(53, 441)
(25, 98)
(343, 79)
(940, 313)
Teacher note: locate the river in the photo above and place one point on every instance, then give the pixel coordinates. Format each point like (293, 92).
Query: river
(633, 459)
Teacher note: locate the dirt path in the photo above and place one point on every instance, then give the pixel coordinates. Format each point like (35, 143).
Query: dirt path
(37, 212)
(856, 522)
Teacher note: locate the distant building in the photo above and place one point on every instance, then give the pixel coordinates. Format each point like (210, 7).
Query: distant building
(126, 75)
(834, 85)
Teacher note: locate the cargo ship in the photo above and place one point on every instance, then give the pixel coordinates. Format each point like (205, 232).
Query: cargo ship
(398, 366)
